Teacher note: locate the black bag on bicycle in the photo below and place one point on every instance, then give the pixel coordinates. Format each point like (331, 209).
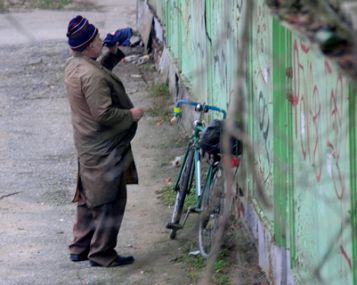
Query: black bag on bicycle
(210, 141)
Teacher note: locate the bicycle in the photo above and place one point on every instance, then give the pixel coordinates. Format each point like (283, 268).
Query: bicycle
(209, 196)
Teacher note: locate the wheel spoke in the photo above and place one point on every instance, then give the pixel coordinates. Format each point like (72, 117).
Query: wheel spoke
(212, 202)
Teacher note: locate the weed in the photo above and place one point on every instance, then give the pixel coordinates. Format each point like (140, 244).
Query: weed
(148, 67)
(195, 266)
(51, 4)
(33, 4)
(159, 90)
(161, 95)
(190, 200)
(168, 195)
(176, 141)
(221, 262)
(194, 262)
(221, 279)
(157, 111)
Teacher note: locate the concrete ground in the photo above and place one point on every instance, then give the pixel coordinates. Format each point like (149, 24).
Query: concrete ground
(38, 160)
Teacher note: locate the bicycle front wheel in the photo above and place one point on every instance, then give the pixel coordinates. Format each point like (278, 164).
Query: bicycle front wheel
(212, 208)
(183, 185)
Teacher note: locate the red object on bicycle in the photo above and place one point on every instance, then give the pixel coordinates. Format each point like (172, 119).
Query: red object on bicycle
(235, 161)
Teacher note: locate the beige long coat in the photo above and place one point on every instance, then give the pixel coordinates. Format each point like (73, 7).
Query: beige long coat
(103, 128)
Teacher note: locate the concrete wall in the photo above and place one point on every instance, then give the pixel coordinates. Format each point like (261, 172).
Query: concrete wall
(301, 119)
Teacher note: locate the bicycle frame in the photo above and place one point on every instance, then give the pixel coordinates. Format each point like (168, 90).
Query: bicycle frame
(194, 141)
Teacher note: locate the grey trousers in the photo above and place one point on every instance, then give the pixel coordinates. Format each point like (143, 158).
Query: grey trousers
(96, 229)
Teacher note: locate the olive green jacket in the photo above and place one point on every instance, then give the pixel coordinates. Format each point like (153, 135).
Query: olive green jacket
(103, 127)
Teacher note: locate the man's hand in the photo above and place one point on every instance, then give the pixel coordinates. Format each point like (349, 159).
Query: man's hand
(136, 113)
(114, 48)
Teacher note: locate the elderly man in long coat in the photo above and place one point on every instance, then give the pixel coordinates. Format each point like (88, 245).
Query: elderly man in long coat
(104, 123)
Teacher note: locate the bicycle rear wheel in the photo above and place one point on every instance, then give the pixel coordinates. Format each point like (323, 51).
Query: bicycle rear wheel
(212, 208)
(183, 185)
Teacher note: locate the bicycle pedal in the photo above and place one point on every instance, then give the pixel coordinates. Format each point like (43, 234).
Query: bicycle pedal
(173, 226)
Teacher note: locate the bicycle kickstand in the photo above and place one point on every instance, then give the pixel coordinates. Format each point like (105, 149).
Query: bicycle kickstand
(189, 211)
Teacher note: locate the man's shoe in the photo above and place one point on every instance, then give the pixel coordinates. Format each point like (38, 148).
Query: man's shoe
(119, 261)
(78, 257)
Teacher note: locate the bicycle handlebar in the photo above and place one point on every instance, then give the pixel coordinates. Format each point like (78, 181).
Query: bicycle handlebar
(203, 108)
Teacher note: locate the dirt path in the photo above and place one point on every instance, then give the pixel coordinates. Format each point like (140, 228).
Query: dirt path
(38, 167)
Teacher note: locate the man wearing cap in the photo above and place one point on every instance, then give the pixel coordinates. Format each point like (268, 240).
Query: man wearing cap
(104, 123)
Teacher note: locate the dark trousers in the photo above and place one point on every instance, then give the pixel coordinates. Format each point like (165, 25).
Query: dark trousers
(96, 229)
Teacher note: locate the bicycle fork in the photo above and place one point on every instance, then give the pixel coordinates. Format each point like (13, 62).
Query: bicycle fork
(196, 209)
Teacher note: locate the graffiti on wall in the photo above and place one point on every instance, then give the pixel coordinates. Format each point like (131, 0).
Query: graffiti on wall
(335, 134)
(308, 99)
(262, 84)
(320, 130)
(224, 26)
(306, 102)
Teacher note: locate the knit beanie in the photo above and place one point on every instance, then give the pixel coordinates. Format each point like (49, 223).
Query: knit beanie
(80, 33)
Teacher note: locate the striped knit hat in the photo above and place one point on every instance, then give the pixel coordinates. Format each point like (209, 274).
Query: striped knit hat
(80, 33)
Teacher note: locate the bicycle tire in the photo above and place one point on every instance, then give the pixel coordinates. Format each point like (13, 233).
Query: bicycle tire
(212, 208)
(182, 187)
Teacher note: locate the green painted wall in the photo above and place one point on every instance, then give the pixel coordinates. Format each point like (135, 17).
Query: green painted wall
(353, 169)
(260, 115)
(302, 121)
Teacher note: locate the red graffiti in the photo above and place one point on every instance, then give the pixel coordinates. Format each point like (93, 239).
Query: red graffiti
(293, 99)
(328, 68)
(305, 100)
(305, 47)
(335, 134)
(346, 257)
(315, 115)
(296, 86)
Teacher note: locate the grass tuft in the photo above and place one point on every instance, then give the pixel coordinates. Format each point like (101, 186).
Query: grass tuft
(161, 96)
(159, 90)
(51, 4)
(195, 266)
(167, 195)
